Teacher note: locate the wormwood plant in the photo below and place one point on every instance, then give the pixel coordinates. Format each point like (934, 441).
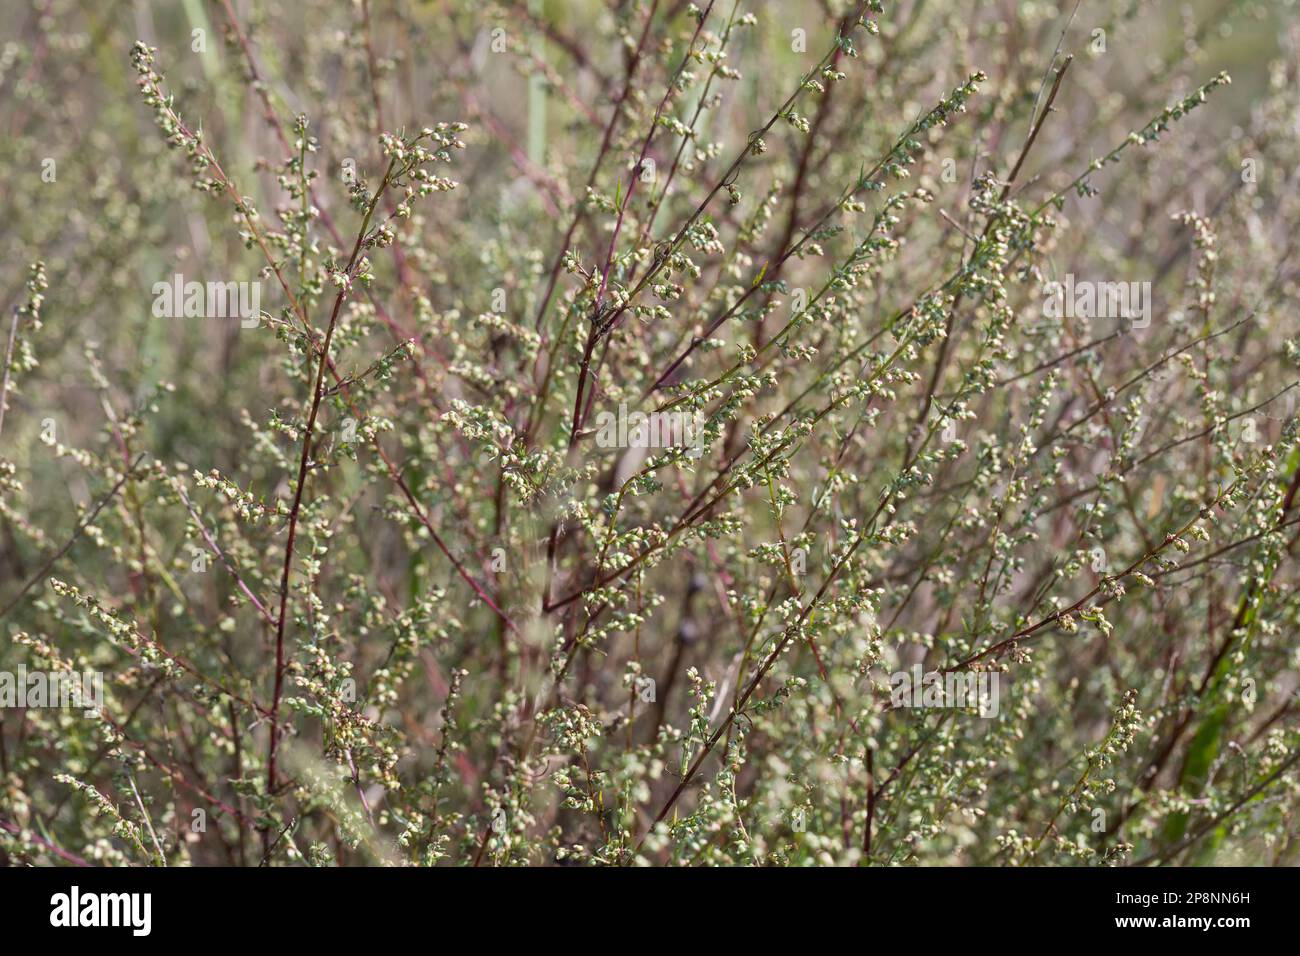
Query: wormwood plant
(648, 432)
